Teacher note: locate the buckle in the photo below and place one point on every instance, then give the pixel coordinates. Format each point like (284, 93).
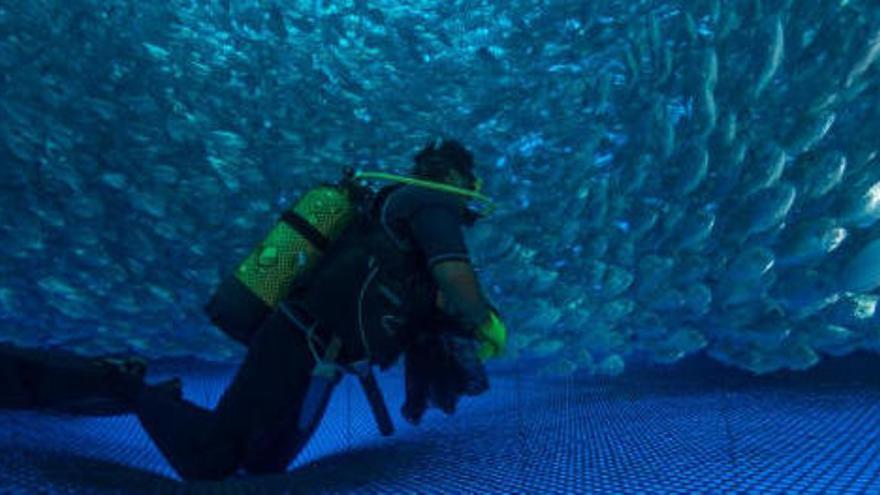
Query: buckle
(304, 322)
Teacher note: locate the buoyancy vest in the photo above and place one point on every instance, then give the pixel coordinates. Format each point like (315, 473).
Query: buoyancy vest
(369, 290)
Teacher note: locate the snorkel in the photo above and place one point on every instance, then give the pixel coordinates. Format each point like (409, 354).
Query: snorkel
(472, 194)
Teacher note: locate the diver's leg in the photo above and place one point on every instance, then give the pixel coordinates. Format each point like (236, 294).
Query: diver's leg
(187, 437)
(272, 448)
(66, 382)
(13, 394)
(268, 395)
(264, 394)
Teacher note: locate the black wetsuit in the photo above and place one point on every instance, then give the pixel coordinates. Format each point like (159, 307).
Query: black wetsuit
(62, 381)
(371, 294)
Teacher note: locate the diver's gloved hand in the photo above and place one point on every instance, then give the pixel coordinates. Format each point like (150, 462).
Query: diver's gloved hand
(492, 335)
(441, 366)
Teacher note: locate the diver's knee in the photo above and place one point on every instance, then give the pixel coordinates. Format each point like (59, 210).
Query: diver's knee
(211, 461)
(262, 469)
(207, 472)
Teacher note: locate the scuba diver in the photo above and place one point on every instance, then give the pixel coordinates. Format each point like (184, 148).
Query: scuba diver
(349, 278)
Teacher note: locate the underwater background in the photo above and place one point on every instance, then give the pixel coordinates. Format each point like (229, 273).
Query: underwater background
(674, 179)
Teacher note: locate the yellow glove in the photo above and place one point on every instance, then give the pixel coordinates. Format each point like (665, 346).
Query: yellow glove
(492, 335)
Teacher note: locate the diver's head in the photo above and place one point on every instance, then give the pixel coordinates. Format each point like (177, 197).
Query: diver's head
(448, 161)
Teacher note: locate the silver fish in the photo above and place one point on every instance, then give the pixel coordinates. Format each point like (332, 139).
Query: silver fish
(616, 310)
(153, 203)
(798, 355)
(50, 214)
(698, 299)
(811, 241)
(774, 56)
(672, 218)
(752, 264)
(819, 175)
(546, 347)
(728, 21)
(603, 93)
(594, 272)
(825, 101)
(862, 272)
(541, 280)
(770, 207)
(664, 132)
(769, 332)
(727, 127)
(729, 168)
(832, 339)
(803, 293)
(162, 294)
(709, 72)
(765, 169)
(225, 141)
(648, 325)
(666, 65)
(64, 172)
(852, 310)
(643, 220)
(165, 174)
(85, 206)
(706, 111)
(745, 356)
(690, 27)
(871, 52)
(809, 132)
(692, 169)
(681, 343)
(584, 360)
(666, 301)
(612, 365)
(616, 281)
(632, 63)
(654, 34)
(77, 308)
(560, 368)
(856, 311)
(653, 273)
(692, 268)
(861, 207)
(695, 230)
(156, 51)
(596, 246)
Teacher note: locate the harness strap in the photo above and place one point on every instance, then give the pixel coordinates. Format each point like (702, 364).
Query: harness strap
(325, 376)
(306, 229)
(327, 372)
(296, 319)
(364, 372)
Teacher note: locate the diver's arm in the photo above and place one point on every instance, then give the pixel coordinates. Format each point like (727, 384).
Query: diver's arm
(437, 231)
(462, 299)
(462, 296)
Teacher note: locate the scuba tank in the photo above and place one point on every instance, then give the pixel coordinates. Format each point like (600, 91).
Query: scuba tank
(289, 252)
(293, 248)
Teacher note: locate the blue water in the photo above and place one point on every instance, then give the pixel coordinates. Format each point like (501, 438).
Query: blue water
(675, 180)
